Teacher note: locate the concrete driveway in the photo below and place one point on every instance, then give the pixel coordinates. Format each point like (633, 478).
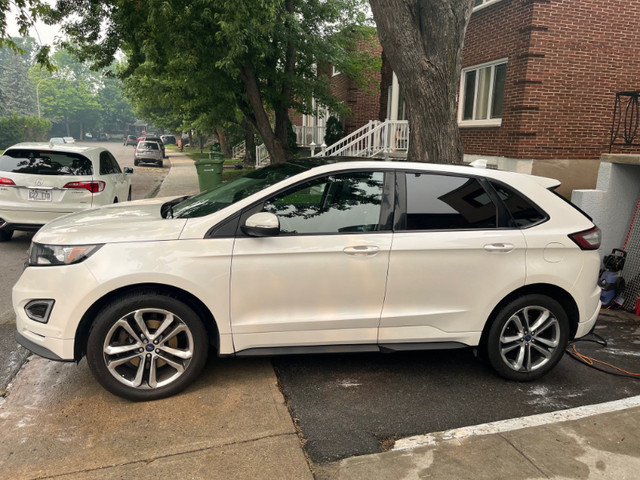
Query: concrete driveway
(233, 423)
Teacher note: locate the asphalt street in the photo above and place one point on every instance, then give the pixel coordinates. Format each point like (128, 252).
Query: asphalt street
(349, 405)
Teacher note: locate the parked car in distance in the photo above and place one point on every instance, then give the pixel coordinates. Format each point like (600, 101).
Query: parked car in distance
(154, 138)
(314, 256)
(168, 139)
(88, 136)
(43, 181)
(68, 140)
(57, 140)
(130, 140)
(147, 152)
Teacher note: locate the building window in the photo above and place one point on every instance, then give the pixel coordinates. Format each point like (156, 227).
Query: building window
(482, 94)
(335, 71)
(480, 4)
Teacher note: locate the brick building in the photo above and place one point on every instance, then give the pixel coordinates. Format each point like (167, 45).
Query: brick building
(559, 64)
(538, 84)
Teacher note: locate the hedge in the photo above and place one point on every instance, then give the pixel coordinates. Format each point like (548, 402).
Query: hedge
(16, 129)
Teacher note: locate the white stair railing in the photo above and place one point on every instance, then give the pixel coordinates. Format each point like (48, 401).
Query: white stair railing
(374, 138)
(239, 150)
(306, 135)
(262, 156)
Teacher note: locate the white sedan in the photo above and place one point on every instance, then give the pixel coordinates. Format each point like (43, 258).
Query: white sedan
(314, 257)
(43, 181)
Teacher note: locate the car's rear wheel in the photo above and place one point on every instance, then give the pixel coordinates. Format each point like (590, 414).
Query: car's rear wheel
(5, 235)
(160, 164)
(129, 195)
(527, 338)
(146, 346)
(136, 163)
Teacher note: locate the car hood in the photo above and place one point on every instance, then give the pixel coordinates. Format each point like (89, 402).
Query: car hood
(126, 222)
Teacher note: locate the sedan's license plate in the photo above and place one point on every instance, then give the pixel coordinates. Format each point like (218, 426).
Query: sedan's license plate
(40, 195)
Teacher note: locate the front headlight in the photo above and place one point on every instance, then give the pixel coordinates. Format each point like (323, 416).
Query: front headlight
(43, 255)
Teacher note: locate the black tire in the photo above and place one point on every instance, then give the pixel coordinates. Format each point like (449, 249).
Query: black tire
(5, 235)
(620, 285)
(186, 350)
(129, 195)
(160, 164)
(136, 163)
(525, 354)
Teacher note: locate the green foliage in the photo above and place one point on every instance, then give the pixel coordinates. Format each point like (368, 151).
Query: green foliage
(26, 13)
(195, 63)
(16, 129)
(78, 99)
(16, 91)
(333, 131)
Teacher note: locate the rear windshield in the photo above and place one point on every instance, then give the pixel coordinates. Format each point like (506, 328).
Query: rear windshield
(44, 162)
(149, 145)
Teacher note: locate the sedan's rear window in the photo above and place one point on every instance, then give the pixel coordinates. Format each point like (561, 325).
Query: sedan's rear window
(44, 162)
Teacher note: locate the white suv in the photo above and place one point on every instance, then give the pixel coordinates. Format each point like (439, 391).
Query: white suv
(314, 257)
(43, 181)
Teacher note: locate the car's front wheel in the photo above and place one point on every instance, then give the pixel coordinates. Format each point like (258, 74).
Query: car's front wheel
(147, 346)
(5, 235)
(527, 338)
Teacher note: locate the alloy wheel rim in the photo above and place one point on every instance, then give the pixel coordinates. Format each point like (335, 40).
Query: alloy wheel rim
(529, 339)
(148, 348)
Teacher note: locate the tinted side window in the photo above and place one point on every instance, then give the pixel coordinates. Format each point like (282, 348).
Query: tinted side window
(42, 162)
(524, 213)
(114, 163)
(344, 203)
(442, 202)
(105, 164)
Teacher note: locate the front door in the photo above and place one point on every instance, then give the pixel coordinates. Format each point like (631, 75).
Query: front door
(322, 280)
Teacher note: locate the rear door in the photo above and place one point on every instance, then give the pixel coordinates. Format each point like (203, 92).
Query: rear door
(116, 183)
(44, 179)
(454, 257)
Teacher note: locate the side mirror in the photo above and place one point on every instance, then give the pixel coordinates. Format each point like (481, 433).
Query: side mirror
(127, 170)
(263, 224)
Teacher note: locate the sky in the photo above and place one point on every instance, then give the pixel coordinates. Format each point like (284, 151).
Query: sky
(44, 34)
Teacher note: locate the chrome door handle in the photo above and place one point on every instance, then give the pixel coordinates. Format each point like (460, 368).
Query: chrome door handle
(361, 250)
(499, 247)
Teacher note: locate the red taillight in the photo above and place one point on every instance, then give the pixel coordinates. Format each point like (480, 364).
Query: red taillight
(6, 181)
(587, 239)
(93, 187)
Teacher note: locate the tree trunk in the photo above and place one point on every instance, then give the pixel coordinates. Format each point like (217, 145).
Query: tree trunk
(423, 41)
(262, 124)
(66, 124)
(224, 144)
(250, 142)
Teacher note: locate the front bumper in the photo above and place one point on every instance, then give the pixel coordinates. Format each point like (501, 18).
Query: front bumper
(38, 349)
(56, 338)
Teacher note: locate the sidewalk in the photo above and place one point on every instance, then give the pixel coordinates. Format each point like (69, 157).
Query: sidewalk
(182, 178)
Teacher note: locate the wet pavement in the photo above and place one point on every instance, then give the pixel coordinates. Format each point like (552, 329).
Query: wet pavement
(351, 405)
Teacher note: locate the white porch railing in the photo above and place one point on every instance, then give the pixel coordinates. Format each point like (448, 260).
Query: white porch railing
(262, 155)
(305, 135)
(239, 150)
(372, 139)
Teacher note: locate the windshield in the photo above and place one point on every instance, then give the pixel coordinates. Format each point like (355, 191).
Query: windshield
(229, 193)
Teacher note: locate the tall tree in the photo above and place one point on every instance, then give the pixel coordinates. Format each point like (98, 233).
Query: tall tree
(260, 55)
(423, 40)
(17, 93)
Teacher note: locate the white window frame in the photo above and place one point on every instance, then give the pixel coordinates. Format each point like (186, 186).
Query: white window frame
(490, 122)
(485, 4)
(335, 71)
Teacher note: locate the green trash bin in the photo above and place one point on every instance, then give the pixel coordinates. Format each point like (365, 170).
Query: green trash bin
(210, 171)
